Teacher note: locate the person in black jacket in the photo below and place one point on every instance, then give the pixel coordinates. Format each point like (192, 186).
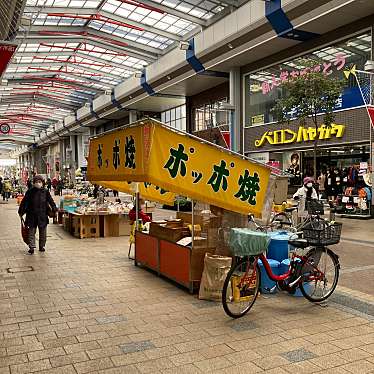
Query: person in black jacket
(36, 204)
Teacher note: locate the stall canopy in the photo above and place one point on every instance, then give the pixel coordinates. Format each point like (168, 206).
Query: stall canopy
(146, 190)
(174, 161)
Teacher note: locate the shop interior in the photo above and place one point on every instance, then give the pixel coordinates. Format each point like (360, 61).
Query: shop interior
(342, 176)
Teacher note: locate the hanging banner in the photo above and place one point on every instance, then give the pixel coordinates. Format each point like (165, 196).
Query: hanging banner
(117, 156)
(176, 162)
(147, 191)
(206, 173)
(6, 54)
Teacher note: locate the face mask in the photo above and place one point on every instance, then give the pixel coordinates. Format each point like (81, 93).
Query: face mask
(38, 184)
(309, 185)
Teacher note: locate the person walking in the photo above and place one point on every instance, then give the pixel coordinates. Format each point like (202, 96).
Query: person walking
(7, 188)
(1, 185)
(37, 205)
(60, 186)
(49, 184)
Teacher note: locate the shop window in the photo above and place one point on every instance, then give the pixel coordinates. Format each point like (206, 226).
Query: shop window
(210, 115)
(262, 89)
(175, 117)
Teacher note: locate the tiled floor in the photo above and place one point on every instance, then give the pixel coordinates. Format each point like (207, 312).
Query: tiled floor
(84, 308)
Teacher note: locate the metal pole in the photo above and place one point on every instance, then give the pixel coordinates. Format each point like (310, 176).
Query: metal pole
(193, 223)
(371, 124)
(137, 206)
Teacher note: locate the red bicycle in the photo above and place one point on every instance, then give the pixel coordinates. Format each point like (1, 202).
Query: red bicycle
(316, 272)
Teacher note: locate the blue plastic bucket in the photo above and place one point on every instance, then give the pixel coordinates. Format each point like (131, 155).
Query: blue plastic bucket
(266, 283)
(278, 247)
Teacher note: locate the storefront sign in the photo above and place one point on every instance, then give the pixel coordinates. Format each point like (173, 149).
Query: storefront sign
(303, 134)
(262, 157)
(326, 68)
(6, 53)
(258, 120)
(149, 152)
(4, 128)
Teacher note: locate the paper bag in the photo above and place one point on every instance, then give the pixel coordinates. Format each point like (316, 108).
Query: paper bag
(214, 275)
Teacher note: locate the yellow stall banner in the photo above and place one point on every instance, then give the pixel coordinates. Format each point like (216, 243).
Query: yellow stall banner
(180, 164)
(118, 155)
(146, 190)
(206, 173)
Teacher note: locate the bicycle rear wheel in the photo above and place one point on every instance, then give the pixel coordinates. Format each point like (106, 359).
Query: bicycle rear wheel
(320, 274)
(240, 289)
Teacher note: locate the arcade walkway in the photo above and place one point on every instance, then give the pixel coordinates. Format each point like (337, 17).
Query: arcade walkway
(84, 308)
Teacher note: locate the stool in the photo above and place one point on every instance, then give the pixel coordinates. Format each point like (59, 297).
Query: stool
(131, 240)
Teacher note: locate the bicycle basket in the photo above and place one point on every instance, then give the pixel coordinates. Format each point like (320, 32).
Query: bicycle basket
(315, 207)
(322, 233)
(245, 242)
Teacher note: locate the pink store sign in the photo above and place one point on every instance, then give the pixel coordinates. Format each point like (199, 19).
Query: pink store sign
(327, 68)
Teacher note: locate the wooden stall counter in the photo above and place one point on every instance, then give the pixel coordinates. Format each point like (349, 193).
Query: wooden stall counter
(96, 225)
(181, 264)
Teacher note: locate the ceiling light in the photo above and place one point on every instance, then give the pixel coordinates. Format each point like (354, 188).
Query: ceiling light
(369, 66)
(184, 46)
(138, 74)
(230, 46)
(25, 21)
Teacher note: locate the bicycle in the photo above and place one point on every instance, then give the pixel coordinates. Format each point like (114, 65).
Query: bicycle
(265, 228)
(285, 220)
(308, 272)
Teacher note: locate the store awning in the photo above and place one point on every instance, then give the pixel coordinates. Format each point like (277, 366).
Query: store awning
(148, 151)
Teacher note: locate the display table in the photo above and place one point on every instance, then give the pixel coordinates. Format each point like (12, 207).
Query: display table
(96, 224)
(181, 264)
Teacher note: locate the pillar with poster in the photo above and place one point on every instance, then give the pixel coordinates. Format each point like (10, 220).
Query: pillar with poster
(292, 165)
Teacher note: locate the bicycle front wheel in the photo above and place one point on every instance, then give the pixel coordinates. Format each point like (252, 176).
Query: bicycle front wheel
(281, 220)
(320, 274)
(240, 289)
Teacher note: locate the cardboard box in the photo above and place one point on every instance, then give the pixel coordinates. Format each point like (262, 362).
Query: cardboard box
(166, 233)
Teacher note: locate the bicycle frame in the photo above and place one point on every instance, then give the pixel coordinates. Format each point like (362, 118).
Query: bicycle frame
(269, 272)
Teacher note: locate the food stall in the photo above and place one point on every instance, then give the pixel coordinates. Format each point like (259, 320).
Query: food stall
(166, 162)
(86, 217)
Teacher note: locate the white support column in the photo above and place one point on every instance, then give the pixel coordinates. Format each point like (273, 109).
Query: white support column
(80, 149)
(132, 116)
(73, 162)
(62, 157)
(235, 124)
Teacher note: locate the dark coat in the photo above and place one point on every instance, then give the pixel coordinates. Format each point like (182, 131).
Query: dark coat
(35, 205)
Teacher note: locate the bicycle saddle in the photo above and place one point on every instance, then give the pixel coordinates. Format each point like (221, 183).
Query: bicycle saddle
(291, 209)
(298, 243)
